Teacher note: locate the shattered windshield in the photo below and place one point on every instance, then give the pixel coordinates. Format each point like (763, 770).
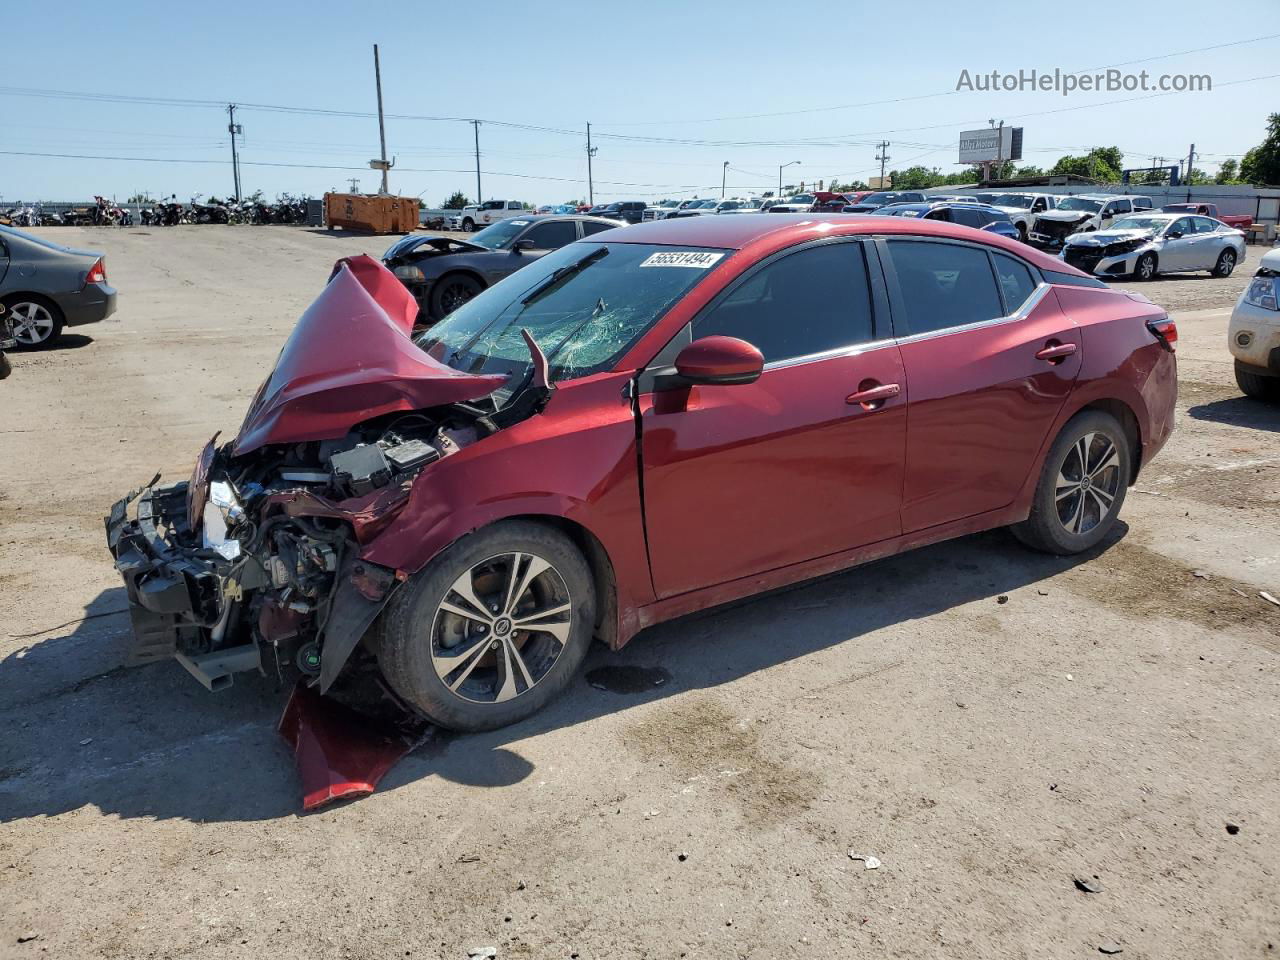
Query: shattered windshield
(584, 304)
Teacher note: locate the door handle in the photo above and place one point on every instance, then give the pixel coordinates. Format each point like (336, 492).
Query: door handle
(872, 398)
(1056, 352)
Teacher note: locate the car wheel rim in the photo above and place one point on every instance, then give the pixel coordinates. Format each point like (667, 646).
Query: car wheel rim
(1088, 483)
(1228, 264)
(31, 323)
(501, 627)
(454, 296)
(1148, 268)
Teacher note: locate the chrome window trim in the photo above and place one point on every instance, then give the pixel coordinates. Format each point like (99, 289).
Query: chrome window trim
(1027, 306)
(850, 351)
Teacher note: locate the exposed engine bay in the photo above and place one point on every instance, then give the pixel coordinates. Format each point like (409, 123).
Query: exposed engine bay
(254, 561)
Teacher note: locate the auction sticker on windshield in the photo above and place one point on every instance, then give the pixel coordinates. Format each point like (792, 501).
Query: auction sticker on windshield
(696, 259)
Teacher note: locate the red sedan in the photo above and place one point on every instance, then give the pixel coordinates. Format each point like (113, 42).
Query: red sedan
(638, 425)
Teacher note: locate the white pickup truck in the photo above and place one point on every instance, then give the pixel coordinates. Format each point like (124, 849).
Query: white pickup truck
(477, 216)
(1082, 213)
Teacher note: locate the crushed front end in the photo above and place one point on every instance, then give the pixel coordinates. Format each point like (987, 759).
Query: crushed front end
(254, 563)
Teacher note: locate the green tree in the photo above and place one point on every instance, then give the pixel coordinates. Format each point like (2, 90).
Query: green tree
(1100, 163)
(1228, 170)
(1262, 163)
(143, 197)
(1197, 177)
(1031, 170)
(457, 200)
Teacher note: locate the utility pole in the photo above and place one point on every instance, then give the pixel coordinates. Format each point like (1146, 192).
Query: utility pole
(724, 173)
(479, 195)
(591, 152)
(1191, 162)
(780, 169)
(382, 129)
(233, 128)
(355, 184)
(882, 156)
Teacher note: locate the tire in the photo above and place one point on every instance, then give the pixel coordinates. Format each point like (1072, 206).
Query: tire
(1067, 511)
(468, 225)
(1226, 263)
(491, 688)
(1147, 268)
(6, 368)
(36, 322)
(1256, 386)
(1022, 232)
(451, 291)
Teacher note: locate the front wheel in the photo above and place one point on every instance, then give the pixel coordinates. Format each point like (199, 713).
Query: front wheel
(1226, 263)
(1146, 267)
(468, 226)
(452, 291)
(1082, 486)
(491, 630)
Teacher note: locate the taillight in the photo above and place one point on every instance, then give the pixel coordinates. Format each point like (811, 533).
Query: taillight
(97, 273)
(1166, 331)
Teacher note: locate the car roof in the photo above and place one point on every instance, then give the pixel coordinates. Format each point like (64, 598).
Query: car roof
(779, 230)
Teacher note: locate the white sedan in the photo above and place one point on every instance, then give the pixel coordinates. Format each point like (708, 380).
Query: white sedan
(1146, 244)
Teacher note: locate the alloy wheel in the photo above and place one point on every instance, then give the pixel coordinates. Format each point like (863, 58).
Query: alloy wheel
(32, 323)
(501, 627)
(453, 296)
(1146, 268)
(1226, 263)
(1088, 483)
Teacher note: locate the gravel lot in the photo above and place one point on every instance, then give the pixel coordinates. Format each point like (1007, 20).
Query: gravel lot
(1110, 719)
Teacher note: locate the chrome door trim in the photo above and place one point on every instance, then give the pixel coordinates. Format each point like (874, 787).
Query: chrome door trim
(1028, 305)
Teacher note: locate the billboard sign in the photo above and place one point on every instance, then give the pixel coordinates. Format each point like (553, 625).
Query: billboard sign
(990, 143)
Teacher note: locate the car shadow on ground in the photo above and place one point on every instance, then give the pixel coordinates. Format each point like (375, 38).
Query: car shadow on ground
(1239, 412)
(151, 742)
(354, 234)
(68, 341)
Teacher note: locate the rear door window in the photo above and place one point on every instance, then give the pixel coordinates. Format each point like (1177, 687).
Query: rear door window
(811, 301)
(968, 218)
(589, 227)
(1205, 224)
(942, 285)
(1017, 283)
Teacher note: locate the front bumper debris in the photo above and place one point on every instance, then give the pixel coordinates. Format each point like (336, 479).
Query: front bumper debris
(177, 591)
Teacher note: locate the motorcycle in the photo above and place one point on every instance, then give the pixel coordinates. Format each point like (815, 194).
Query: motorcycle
(169, 213)
(215, 211)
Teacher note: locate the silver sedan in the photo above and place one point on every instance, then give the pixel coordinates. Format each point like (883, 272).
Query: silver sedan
(1144, 245)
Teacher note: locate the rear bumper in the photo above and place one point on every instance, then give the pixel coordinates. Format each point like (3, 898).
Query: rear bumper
(94, 303)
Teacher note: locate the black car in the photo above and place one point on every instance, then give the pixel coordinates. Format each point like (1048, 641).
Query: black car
(632, 211)
(873, 201)
(443, 273)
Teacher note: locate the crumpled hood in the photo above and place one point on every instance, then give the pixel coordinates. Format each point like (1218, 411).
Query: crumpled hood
(1065, 216)
(421, 244)
(350, 358)
(1101, 238)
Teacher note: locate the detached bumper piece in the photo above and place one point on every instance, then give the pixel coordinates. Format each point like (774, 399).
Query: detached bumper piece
(341, 753)
(174, 591)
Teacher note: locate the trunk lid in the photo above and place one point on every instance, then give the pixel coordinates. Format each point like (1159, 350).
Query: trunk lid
(350, 358)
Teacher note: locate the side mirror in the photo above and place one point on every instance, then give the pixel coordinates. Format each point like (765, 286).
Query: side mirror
(1174, 234)
(522, 245)
(720, 361)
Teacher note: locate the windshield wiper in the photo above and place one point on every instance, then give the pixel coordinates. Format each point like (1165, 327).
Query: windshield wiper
(561, 274)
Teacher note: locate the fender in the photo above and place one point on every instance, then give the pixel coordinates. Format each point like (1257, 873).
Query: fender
(557, 463)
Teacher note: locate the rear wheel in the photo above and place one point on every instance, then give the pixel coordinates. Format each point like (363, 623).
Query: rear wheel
(491, 630)
(1145, 269)
(35, 321)
(1257, 386)
(1226, 263)
(1082, 486)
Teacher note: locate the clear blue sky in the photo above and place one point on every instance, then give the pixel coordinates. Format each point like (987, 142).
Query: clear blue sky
(667, 70)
